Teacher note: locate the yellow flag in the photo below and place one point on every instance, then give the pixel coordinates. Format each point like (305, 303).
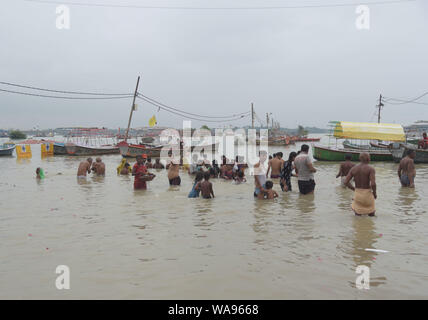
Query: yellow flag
(152, 121)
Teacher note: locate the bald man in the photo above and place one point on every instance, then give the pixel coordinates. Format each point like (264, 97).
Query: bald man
(365, 186)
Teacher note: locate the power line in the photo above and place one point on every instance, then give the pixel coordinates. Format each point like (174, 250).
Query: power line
(332, 5)
(407, 101)
(401, 101)
(192, 114)
(64, 97)
(189, 117)
(61, 91)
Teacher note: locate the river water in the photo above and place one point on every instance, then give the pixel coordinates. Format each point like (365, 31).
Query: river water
(158, 244)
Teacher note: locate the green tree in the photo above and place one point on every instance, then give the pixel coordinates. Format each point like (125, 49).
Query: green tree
(301, 131)
(205, 127)
(16, 134)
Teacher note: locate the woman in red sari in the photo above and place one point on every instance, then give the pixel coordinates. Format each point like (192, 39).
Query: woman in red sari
(139, 170)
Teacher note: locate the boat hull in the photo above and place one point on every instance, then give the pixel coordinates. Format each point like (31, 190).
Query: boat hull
(59, 149)
(76, 150)
(132, 151)
(400, 153)
(330, 154)
(8, 151)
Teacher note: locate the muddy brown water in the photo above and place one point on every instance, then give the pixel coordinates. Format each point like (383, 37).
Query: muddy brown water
(158, 244)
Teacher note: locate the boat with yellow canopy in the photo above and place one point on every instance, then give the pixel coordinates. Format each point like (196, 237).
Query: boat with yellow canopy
(360, 131)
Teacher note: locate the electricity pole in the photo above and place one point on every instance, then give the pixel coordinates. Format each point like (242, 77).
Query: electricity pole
(252, 115)
(132, 108)
(380, 105)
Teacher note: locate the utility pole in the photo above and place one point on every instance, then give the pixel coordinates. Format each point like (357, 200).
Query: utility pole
(267, 120)
(380, 105)
(132, 108)
(252, 115)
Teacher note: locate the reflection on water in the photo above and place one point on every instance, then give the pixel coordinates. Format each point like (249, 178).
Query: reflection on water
(117, 240)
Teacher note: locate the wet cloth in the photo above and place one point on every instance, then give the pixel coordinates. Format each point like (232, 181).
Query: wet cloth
(306, 187)
(175, 181)
(364, 201)
(139, 171)
(405, 181)
(194, 193)
(301, 162)
(286, 171)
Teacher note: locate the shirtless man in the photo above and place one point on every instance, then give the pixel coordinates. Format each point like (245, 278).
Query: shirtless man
(84, 168)
(344, 169)
(158, 164)
(275, 164)
(174, 173)
(365, 186)
(99, 167)
(407, 170)
(206, 187)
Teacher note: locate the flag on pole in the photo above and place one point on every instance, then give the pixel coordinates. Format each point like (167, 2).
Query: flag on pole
(152, 121)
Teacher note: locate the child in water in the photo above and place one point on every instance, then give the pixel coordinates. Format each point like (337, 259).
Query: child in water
(195, 193)
(40, 173)
(206, 187)
(240, 178)
(268, 193)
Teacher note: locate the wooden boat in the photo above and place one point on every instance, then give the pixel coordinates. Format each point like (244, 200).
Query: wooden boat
(132, 150)
(400, 152)
(305, 139)
(279, 141)
(322, 153)
(349, 145)
(59, 149)
(81, 150)
(379, 145)
(154, 151)
(7, 149)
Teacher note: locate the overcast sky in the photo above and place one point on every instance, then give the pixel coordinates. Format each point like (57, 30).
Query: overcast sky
(305, 66)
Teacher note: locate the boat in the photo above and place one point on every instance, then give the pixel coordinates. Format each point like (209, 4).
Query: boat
(59, 149)
(349, 145)
(304, 139)
(86, 142)
(7, 149)
(379, 145)
(334, 154)
(154, 151)
(128, 150)
(399, 152)
(361, 131)
(82, 150)
(279, 141)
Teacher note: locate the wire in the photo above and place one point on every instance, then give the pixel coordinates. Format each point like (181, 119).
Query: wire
(60, 91)
(401, 101)
(85, 4)
(406, 101)
(64, 97)
(189, 113)
(189, 117)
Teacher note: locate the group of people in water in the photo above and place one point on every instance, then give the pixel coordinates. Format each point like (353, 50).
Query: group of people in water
(298, 164)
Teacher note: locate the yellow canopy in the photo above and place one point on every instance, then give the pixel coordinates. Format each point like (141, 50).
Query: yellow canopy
(369, 131)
